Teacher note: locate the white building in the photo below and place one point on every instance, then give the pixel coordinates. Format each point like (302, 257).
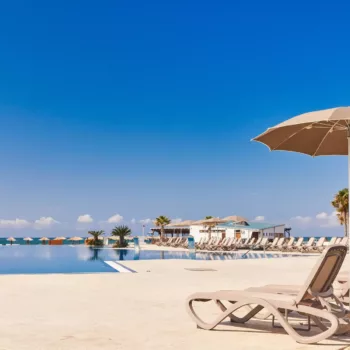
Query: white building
(248, 230)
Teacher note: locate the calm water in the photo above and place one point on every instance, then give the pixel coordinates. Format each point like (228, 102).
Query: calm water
(38, 259)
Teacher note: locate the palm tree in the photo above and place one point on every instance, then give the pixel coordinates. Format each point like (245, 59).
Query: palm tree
(209, 226)
(96, 237)
(162, 221)
(341, 205)
(121, 231)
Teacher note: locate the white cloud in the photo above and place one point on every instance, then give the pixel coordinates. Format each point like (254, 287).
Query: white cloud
(133, 221)
(85, 219)
(146, 221)
(115, 219)
(45, 222)
(302, 219)
(17, 223)
(328, 220)
(322, 215)
(259, 218)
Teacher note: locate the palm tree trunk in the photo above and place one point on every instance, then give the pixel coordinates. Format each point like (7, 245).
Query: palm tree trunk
(161, 232)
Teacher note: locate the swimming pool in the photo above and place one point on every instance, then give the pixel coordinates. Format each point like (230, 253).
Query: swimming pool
(83, 259)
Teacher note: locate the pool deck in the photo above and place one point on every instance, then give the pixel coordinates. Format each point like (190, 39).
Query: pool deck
(144, 310)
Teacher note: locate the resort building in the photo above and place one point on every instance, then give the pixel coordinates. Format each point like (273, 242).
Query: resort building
(230, 229)
(241, 230)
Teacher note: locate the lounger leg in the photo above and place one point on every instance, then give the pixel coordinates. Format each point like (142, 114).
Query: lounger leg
(310, 311)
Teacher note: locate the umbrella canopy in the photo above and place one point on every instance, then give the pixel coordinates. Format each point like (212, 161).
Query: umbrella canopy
(113, 238)
(59, 238)
(235, 218)
(93, 238)
(11, 239)
(27, 239)
(44, 239)
(75, 239)
(320, 133)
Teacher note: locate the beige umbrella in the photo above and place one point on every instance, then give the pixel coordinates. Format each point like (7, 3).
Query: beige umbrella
(235, 218)
(44, 239)
(113, 238)
(11, 240)
(27, 239)
(75, 239)
(320, 133)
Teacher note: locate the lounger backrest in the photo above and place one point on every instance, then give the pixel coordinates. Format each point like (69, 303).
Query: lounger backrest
(310, 242)
(274, 242)
(291, 241)
(320, 242)
(299, 242)
(258, 241)
(264, 241)
(280, 241)
(324, 272)
(332, 241)
(344, 241)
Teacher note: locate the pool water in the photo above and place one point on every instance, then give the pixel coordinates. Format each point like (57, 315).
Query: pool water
(82, 259)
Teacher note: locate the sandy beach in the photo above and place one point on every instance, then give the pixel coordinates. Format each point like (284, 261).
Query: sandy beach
(143, 310)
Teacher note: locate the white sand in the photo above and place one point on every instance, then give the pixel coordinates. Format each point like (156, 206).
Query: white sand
(144, 310)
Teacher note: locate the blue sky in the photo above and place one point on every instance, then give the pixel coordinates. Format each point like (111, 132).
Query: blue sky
(139, 109)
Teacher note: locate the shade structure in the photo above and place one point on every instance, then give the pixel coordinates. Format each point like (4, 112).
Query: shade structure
(235, 218)
(59, 238)
(213, 221)
(319, 133)
(27, 239)
(11, 239)
(198, 222)
(44, 239)
(75, 239)
(183, 223)
(113, 238)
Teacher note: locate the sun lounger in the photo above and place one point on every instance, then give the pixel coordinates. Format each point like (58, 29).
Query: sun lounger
(205, 246)
(221, 244)
(262, 245)
(344, 241)
(161, 241)
(279, 244)
(295, 247)
(273, 244)
(226, 244)
(247, 244)
(232, 245)
(175, 242)
(214, 245)
(305, 247)
(200, 242)
(331, 242)
(237, 244)
(318, 247)
(311, 301)
(287, 245)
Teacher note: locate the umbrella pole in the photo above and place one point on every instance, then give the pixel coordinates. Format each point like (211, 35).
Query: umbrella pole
(348, 185)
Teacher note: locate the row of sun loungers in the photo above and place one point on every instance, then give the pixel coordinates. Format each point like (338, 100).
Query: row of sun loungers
(320, 301)
(292, 244)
